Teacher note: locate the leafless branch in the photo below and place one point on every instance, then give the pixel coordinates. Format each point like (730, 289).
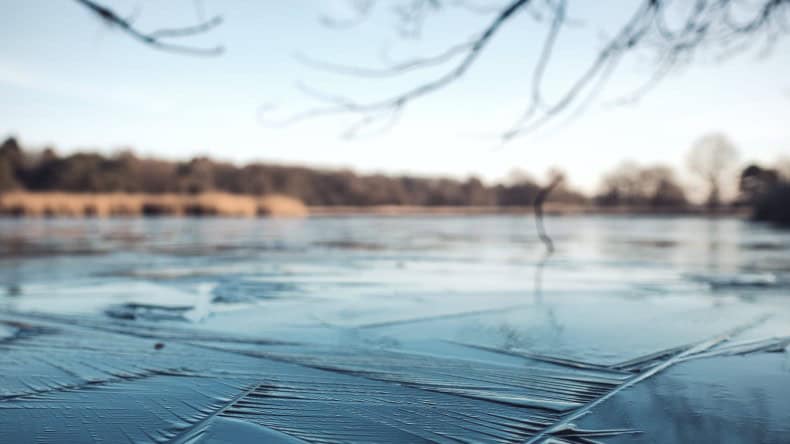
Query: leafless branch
(727, 27)
(412, 15)
(397, 102)
(394, 70)
(157, 38)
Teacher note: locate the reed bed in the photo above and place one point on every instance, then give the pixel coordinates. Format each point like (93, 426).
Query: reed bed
(59, 204)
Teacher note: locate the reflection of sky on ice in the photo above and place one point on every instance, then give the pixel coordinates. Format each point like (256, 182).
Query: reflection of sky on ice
(617, 287)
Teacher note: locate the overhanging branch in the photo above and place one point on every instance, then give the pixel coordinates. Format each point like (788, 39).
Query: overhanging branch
(158, 39)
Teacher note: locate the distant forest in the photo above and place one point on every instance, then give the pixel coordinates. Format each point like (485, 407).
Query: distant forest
(765, 190)
(45, 170)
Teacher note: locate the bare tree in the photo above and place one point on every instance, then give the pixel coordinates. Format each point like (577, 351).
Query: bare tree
(631, 184)
(710, 157)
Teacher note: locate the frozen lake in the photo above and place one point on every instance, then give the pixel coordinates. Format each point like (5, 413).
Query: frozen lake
(399, 329)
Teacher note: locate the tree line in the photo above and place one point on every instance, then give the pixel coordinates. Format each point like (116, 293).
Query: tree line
(654, 187)
(45, 170)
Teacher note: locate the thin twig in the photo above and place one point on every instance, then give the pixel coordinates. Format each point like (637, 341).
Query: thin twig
(156, 39)
(707, 24)
(399, 101)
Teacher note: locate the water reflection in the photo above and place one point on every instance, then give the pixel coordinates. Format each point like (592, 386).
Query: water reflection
(398, 268)
(555, 325)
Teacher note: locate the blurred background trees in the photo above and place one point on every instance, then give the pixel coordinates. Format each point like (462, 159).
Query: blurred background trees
(45, 170)
(766, 190)
(633, 185)
(710, 158)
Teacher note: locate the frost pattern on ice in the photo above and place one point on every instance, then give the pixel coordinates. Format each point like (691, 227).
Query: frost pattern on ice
(77, 381)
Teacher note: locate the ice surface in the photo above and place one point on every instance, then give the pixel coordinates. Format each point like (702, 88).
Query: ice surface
(391, 329)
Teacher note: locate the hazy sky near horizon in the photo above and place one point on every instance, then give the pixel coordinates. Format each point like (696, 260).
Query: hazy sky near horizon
(69, 81)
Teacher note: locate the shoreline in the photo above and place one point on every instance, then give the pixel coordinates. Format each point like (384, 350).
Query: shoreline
(24, 204)
(549, 209)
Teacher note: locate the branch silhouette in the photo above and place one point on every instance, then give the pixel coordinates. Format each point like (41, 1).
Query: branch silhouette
(728, 27)
(158, 39)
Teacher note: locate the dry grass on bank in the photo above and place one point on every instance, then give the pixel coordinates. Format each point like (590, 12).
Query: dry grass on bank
(22, 203)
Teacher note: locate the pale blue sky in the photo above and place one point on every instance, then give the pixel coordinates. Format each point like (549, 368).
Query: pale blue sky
(69, 81)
